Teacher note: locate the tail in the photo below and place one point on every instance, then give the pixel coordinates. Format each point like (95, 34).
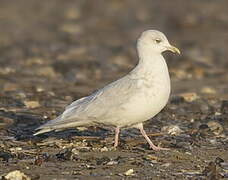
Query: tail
(59, 124)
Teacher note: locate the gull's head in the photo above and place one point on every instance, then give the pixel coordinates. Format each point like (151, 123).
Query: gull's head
(155, 41)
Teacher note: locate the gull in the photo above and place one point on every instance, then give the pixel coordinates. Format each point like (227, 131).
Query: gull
(128, 101)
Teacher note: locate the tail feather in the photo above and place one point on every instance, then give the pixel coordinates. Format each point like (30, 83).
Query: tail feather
(53, 127)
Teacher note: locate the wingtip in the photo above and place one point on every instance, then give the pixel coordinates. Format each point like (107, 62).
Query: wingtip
(41, 131)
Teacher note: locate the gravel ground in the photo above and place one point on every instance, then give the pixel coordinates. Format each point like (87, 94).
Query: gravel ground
(54, 52)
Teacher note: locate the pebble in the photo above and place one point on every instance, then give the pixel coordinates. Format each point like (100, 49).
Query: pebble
(166, 165)
(35, 61)
(215, 127)
(208, 90)
(15, 149)
(151, 157)
(81, 128)
(75, 151)
(218, 114)
(213, 141)
(40, 89)
(32, 104)
(104, 149)
(172, 130)
(129, 172)
(7, 70)
(74, 29)
(190, 97)
(110, 163)
(16, 175)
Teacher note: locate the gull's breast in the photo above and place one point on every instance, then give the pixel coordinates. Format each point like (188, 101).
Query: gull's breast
(149, 100)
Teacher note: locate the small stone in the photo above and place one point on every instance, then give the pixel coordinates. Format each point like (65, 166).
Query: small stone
(218, 114)
(208, 90)
(104, 149)
(15, 149)
(213, 141)
(166, 165)
(16, 175)
(71, 28)
(215, 127)
(129, 172)
(65, 173)
(172, 130)
(7, 70)
(110, 163)
(88, 166)
(188, 153)
(21, 95)
(151, 157)
(81, 128)
(75, 151)
(40, 89)
(32, 104)
(35, 61)
(154, 161)
(189, 97)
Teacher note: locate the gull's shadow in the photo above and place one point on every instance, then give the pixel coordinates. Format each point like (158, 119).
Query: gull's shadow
(23, 127)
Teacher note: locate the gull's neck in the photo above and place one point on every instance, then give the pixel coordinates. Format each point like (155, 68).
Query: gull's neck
(149, 58)
(150, 63)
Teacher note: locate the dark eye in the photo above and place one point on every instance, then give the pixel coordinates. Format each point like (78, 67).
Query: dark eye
(158, 40)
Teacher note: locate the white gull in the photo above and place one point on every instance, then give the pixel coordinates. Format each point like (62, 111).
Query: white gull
(129, 101)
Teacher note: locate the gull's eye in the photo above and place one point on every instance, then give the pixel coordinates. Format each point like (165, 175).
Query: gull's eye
(158, 41)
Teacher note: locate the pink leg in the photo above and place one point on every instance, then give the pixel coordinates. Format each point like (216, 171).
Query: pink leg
(156, 148)
(117, 131)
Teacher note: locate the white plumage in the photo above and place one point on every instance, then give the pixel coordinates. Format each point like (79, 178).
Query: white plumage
(129, 101)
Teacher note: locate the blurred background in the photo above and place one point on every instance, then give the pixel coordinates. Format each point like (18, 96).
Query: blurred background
(60, 45)
(53, 52)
